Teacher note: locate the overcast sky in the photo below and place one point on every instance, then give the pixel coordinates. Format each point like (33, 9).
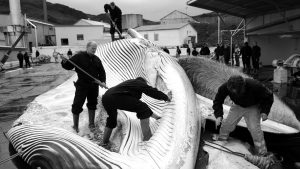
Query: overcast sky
(150, 9)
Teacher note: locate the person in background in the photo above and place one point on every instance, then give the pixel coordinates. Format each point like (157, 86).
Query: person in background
(251, 100)
(178, 52)
(221, 53)
(126, 96)
(255, 57)
(37, 53)
(69, 53)
(237, 54)
(217, 52)
(205, 50)
(195, 52)
(55, 55)
(86, 87)
(26, 58)
(115, 14)
(226, 54)
(188, 51)
(165, 49)
(20, 57)
(246, 52)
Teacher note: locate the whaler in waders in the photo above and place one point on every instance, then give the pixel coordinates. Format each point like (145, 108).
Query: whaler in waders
(91, 74)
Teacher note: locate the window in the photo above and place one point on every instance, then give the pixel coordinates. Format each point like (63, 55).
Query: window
(64, 42)
(155, 37)
(146, 36)
(80, 37)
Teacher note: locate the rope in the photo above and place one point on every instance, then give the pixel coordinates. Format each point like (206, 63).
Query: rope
(12, 156)
(223, 148)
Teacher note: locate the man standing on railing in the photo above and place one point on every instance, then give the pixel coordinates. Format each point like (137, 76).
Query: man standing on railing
(115, 19)
(91, 74)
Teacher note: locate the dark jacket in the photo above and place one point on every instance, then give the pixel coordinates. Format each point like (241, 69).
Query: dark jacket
(166, 50)
(89, 63)
(256, 51)
(114, 13)
(37, 53)
(194, 52)
(205, 51)
(69, 53)
(20, 56)
(26, 56)
(255, 94)
(135, 88)
(188, 51)
(246, 51)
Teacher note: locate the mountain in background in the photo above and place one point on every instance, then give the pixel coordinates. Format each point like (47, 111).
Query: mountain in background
(57, 13)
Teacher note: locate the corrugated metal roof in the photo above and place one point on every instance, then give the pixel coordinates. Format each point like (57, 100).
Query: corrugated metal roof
(246, 8)
(161, 27)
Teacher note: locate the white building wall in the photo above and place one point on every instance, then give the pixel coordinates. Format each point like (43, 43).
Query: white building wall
(165, 37)
(187, 31)
(132, 21)
(90, 33)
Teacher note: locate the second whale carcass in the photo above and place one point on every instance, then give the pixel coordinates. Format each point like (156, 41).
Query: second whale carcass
(41, 138)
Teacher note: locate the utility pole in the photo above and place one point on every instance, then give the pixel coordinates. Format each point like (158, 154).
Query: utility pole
(218, 29)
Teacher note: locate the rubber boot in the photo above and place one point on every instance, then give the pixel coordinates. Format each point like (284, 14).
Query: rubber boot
(91, 119)
(106, 135)
(146, 129)
(75, 122)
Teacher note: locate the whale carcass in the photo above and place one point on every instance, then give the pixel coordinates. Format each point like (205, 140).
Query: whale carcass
(44, 138)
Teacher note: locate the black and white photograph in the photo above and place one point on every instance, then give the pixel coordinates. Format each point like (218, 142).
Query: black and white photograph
(140, 84)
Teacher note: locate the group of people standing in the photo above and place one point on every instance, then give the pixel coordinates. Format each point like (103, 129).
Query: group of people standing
(222, 54)
(204, 51)
(23, 57)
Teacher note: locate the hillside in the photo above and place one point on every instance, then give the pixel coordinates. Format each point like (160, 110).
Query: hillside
(57, 13)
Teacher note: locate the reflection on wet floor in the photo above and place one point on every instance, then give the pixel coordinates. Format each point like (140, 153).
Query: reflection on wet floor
(14, 108)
